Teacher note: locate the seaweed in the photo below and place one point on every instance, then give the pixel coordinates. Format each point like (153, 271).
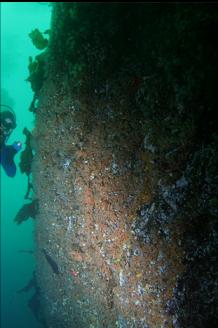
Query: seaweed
(33, 106)
(36, 66)
(31, 284)
(26, 211)
(36, 69)
(29, 188)
(26, 159)
(27, 154)
(34, 302)
(38, 39)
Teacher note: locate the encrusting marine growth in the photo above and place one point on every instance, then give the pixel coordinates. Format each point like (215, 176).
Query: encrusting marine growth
(125, 169)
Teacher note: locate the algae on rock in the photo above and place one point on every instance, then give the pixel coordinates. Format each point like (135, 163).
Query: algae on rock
(126, 166)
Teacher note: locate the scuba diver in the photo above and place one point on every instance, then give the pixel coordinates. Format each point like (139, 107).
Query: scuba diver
(7, 152)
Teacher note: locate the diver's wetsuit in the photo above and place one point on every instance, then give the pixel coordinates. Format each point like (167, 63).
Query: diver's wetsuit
(7, 154)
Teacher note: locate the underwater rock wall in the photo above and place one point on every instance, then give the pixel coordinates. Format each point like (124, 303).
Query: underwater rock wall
(125, 168)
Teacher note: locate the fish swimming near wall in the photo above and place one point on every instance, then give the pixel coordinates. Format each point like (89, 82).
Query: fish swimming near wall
(52, 263)
(25, 251)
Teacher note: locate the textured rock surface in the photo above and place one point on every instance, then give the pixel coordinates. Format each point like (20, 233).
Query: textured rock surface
(125, 168)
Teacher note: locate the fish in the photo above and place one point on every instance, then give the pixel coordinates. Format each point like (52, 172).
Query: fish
(52, 263)
(25, 251)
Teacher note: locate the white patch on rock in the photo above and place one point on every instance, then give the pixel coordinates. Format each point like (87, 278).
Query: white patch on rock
(122, 279)
(148, 146)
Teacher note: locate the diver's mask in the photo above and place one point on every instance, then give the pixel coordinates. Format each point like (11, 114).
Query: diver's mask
(8, 122)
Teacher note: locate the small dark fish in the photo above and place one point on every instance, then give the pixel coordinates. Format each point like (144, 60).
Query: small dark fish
(25, 251)
(50, 260)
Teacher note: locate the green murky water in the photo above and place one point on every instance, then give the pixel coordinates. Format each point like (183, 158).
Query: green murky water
(17, 21)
